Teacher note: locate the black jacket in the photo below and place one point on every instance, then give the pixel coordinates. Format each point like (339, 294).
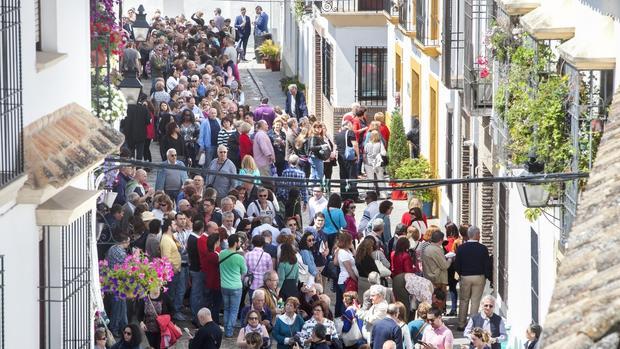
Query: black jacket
(134, 125)
(208, 336)
(472, 258)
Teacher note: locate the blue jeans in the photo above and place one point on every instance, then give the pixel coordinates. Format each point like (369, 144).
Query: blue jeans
(232, 298)
(178, 287)
(196, 299)
(339, 307)
(316, 168)
(213, 301)
(118, 318)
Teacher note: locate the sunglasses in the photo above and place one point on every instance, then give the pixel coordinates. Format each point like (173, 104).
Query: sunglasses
(310, 240)
(489, 306)
(252, 318)
(262, 196)
(292, 225)
(127, 333)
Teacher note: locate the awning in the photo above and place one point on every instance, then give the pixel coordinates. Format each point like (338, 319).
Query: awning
(518, 7)
(553, 20)
(594, 44)
(65, 207)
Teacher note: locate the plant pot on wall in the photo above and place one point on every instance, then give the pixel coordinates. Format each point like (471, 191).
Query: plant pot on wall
(427, 208)
(275, 64)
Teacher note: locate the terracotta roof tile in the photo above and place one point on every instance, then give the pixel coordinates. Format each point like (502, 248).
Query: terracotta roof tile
(585, 307)
(61, 145)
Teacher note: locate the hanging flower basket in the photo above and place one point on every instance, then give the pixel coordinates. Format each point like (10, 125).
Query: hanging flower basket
(136, 277)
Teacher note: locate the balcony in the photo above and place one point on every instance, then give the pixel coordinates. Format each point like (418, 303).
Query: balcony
(11, 111)
(406, 18)
(427, 26)
(390, 10)
(344, 6)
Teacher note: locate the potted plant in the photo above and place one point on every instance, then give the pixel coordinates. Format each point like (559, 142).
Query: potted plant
(271, 55)
(418, 168)
(398, 150)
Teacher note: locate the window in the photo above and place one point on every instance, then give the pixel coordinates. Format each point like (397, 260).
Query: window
(449, 145)
(534, 274)
(427, 22)
(326, 65)
(65, 285)
(398, 72)
(453, 44)
(11, 110)
(371, 76)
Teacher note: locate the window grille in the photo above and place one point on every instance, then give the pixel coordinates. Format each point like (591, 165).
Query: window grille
(371, 75)
(66, 298)
(11, 104)
(502, 253)
(453, 44)
(352, 5)
(326, 66)
(449, 147)
(427, 22)
(406, 15)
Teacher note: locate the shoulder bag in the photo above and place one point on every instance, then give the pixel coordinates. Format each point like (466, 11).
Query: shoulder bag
(225, 258)
(349, 152)
(383, 271)
(350, 338)
(289, 286)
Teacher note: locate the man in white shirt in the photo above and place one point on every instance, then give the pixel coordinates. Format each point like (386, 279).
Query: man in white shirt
(372, 209)
(266, 225)
(317, 202)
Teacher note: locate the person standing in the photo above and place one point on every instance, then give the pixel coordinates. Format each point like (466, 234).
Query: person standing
(196, 299)
(346, 139)
(134, 128)
(221, 164)
(244, 28)
(232, 267)
(181, 235)
(295, 103)
(219, 20)
(374, 151)
(487, 320)
(169, 247)
(207, 137)
(265, 112)
(387, 329)
(116, 256)
(473, 265)
(258, 263)
(261, 22)
(318, 151)
(209, 335)
(434, 263)
(169, 180)
(264, 155)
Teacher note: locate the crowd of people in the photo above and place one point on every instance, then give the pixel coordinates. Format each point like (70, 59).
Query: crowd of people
(227, 205)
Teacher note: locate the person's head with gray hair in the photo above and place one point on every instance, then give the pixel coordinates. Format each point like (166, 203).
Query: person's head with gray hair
(347, 125)
(292, 88)
(487, 305)
(400, 229)
(204, 316)
(258, 293)
(377, 293)
(374, 278)
(266, 220)
(171, 154)
(228, 215)
(392, 310)
(437, 236)
(389, 344)
(133, 198)
(292, 123)
(377, 225)
(293, 160)
(473, 233)
(262, 125)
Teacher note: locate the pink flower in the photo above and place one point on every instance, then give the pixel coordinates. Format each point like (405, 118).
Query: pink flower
(482, 60)
(484, 73)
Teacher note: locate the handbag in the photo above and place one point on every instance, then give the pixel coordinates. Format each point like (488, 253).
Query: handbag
(353, 335)
(248, 278)
(202, 159)
(349, 152)
(304, 274)
(350, 284)
(289, 287)
(331, 271)
(383, 271)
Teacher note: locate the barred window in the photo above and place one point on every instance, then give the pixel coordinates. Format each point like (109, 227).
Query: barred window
(371, 74)
(326, 66)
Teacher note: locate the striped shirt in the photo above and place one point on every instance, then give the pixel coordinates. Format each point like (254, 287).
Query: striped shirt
(222, 137)
(284, 187)
(258, 265)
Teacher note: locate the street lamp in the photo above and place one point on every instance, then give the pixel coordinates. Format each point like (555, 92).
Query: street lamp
(130, 87)
(141, 26)
(533, 195)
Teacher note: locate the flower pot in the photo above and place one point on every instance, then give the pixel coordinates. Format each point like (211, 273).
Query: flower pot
(267, 63)
(399, 195)
(275, 65)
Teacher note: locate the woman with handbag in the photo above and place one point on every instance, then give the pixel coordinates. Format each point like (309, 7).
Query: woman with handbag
(365, 264)
(317, 150)
(347, 279)
(288, 272)
(334, 219)
(288, 324)
(155, 305)
(374, 151)
(351, 326)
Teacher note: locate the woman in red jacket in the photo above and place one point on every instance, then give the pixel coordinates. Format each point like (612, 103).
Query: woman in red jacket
(245, 143)
(209, 265)
(401, 261)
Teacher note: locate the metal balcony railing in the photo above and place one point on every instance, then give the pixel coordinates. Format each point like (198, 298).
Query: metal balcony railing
(11, 104)
(427, 22)
(406, 15)
(352, 5)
